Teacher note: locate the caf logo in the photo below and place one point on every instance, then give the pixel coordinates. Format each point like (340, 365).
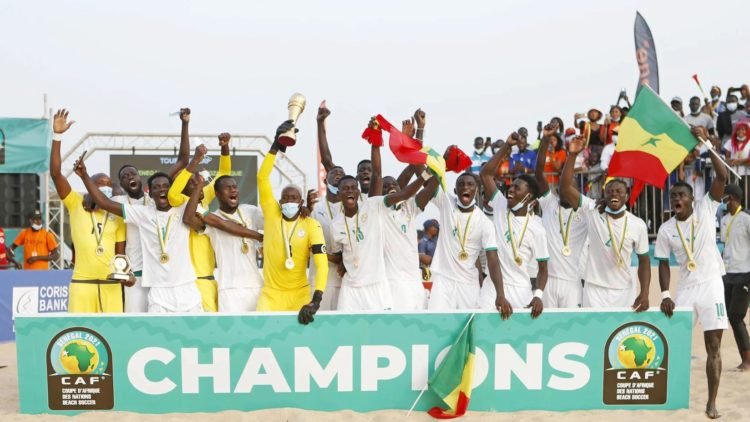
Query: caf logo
(79, 371)
(636, 359)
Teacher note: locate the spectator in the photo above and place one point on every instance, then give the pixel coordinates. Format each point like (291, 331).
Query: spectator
(554, 159)
(593, 115)
(523, 161)
(691, 172)
(717, 106)
(428, 242)
(739, 149)
(6, 255)
(697, 118)
(39, 245)
(676, 104)
(727, 119)
(609, 151)
(744, 93)
(480, 155)
(611, 124)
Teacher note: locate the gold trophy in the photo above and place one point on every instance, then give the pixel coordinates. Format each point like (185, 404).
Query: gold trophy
(296, 106)
(121, 270)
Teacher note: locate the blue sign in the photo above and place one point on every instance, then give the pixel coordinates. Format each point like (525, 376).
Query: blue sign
(29, 293)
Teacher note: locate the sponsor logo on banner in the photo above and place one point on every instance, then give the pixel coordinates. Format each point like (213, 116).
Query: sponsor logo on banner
(636, 359)
(39, 299)
(79, 371)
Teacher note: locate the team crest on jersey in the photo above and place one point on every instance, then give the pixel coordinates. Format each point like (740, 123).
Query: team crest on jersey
(363, 218)
(301, 233)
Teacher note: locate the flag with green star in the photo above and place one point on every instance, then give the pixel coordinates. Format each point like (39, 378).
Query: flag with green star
(653, 141)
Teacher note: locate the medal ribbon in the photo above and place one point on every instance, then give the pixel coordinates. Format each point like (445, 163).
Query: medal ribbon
(348, 234)
(690, 252)
(288, 239)
(515, 247)
(729, 226)
(98, 235)
(462, 240)
(330, 211)
(163, 232)
(566, 234)
(242, 222)
(618, 252)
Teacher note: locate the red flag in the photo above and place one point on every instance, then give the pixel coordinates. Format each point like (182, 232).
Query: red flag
(457, 161)
(635, 191)
(372, 134)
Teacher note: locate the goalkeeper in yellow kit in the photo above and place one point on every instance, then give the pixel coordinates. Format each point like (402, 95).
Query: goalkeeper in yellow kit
(288, 241)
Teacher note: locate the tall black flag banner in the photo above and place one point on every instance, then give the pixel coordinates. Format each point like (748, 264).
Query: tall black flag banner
(645, 54)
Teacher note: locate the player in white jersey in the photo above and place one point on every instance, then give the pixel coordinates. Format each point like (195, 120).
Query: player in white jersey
(613, 236)
(359, 239)
(239, 279)
(735, 233)
(136, 297)
(691, 236)
(325, 211)
(522, 237)
(466, 232)
(566, 237)
(164, 230)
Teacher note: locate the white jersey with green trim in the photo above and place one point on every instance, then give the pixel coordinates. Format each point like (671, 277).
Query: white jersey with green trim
(557, 222)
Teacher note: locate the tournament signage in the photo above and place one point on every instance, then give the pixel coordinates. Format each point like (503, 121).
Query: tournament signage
(29, 293)
(204, 363)
(24, 145)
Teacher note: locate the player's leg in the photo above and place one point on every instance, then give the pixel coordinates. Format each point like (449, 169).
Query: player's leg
(375, 297)
(737, 297)
(111, 295)
(83, 297)
(468, 295)
(569, 294)
(712, 341)
(442, 295)
(136, 297)
(551, 293)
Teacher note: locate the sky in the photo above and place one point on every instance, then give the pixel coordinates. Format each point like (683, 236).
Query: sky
(477, 68)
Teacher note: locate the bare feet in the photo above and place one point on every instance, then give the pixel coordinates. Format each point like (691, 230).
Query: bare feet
(712, 412)
(744, 366)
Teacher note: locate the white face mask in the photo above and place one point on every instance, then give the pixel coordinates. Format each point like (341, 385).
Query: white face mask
(36, 227)
(106, 190)
(732, 107)
(333, 189)
(614, 139)
(715, 98)
(519, 205)
(465, 207)
(478, 150)
(290, 209)
(741, 138)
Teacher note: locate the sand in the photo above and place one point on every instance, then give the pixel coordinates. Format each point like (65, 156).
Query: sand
(733, 402)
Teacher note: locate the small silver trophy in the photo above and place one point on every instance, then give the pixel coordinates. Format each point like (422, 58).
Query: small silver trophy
(121, 268)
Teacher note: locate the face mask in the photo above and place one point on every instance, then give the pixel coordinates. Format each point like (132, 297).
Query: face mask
(466, 207)
(290, 209)
(741, 138)
(106, 190)
(615, 212)
(519, 205)
(614, 139)
(732, 107)
(333, 189)
(478, 150)
(715, 98)
(615, 119)
(36, 227)
(723, 207)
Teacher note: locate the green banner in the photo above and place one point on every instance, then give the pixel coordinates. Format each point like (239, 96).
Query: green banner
(24, 145)
(206, 363)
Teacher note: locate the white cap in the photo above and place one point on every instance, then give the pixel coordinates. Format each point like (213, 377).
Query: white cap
(677, 99)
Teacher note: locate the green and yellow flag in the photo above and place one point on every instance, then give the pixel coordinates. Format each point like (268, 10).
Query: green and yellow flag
(452, 379)
(653, 141)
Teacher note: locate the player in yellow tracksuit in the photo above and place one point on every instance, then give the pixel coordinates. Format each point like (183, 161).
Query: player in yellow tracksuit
(287, 243)
(201, 252)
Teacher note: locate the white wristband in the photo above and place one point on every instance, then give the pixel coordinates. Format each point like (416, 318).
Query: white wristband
(665, 295)
(426, 175)
(57, 136)
(538, 293)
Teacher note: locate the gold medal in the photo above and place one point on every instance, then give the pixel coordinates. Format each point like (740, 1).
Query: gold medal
(289, 264)
(99, 250)
(692, 266)
(566, 250)
(245, 247)
(463, 256)
(164, 258)
(518, 260)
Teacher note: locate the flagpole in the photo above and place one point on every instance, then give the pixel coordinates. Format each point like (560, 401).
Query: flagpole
(421, 393)
(713, 150)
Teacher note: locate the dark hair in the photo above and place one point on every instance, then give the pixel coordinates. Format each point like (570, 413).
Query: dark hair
(683, 185)
(472, 175)
(363, 162)
(531, 182)
(695, 97)
(219, 180)
(615, 107)
(620, 181)
(155, 176)
(348, 177)
(334, 168)
(119, 172)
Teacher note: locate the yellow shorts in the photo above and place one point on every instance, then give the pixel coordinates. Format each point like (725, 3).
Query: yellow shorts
(92, 296)
(209, 294)
(283, 300)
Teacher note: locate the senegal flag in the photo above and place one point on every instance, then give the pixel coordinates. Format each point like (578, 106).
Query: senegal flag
(653, 141)
(452, 380)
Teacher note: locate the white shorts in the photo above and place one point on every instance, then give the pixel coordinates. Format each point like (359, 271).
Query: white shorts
(182, 298)
(518, 297)
(707, 300)
(333, 288)
(603, 297)
(449, 294)
(239, 300)
(408, 295)
(372, 297)
(136, 297)
(561, 293)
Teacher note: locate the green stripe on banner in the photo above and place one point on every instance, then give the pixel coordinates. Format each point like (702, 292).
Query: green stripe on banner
(656, 117)
(24, 145)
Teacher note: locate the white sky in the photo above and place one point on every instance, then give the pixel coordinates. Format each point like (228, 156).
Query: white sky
(476, 68)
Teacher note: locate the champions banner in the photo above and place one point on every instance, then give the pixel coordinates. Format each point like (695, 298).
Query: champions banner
(562, 361)
(24, 145)
(645, 54)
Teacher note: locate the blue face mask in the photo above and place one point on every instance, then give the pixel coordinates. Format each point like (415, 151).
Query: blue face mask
(333, 189)
(723, 207)
(106, 190)
(290, 209)
(615, 212)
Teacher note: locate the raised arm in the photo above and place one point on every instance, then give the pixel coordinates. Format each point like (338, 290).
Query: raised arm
(325, 152)
(190, 217)
(231, 227)
(405, 193)
(720, 180)
(99, 198)
(225, 168)
(376, 179)
(183, 156)
(541, 156)
(407, 128)
(60, 125)
(428, 191)
(421, 118)
(567, 188)
(487, 174)
(175, 195)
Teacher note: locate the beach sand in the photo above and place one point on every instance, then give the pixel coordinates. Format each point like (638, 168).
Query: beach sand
(733, 401)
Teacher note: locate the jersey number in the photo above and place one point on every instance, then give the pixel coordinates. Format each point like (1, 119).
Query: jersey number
(98, 228)
(720, 311)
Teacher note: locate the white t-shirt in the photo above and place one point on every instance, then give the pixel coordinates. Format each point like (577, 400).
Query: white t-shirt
(480, 237)
(179, 269)
(561, 266)
(602, 268)
(531, 244)
(705, 252)
(401, 254)
(363, 244)
(606, 156)
(737, 249)
(133, 244)
(742, 154)
(236, 269)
